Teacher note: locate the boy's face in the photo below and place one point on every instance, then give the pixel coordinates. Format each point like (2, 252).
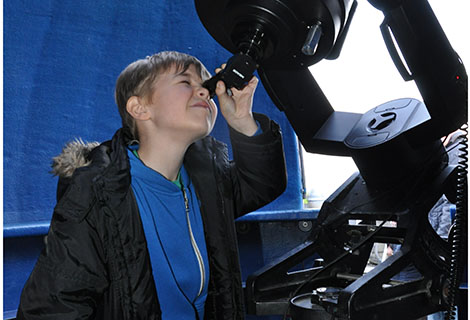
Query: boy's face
(180, 106)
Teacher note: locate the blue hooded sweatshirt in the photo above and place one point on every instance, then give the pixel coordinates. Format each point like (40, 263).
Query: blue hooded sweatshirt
(174, 232)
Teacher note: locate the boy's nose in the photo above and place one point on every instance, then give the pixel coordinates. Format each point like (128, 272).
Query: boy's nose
(203, 92)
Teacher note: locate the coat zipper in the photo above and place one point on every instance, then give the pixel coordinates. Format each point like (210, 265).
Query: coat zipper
(194, 244)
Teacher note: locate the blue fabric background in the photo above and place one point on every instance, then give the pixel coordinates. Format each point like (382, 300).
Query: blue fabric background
(61, 60)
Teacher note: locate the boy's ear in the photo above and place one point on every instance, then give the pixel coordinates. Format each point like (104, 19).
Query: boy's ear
(136, 108)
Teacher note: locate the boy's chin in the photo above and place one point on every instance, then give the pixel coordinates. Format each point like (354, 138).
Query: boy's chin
(202, 135)
(204, 130)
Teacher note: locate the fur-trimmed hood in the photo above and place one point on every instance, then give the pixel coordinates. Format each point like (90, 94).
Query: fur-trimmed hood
(74, 155)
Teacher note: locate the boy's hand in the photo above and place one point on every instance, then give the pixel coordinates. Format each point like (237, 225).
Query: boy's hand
(236, 109)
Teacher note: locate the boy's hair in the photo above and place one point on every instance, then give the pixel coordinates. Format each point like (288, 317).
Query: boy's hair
(138, 77)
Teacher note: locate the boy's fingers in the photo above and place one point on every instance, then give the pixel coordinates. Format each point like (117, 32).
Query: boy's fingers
(253, 81)
(217, 70)
(220, 88)
(252, 84)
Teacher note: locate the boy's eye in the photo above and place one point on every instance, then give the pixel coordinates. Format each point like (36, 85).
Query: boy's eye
(186, 82)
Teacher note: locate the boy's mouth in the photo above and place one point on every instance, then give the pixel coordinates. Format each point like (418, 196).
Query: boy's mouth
(203, 104)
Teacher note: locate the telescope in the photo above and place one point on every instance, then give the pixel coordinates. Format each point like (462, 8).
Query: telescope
(403, 166)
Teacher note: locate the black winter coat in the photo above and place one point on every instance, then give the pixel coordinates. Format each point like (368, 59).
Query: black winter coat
(96, 265)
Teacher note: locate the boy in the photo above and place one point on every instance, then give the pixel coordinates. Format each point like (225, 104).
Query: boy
(144, 227)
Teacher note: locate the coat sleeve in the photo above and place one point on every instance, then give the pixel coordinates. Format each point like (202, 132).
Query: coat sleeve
(69, 277)
(258, 167)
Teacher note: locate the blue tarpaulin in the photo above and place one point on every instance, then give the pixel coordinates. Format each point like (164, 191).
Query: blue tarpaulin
(61, 60)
